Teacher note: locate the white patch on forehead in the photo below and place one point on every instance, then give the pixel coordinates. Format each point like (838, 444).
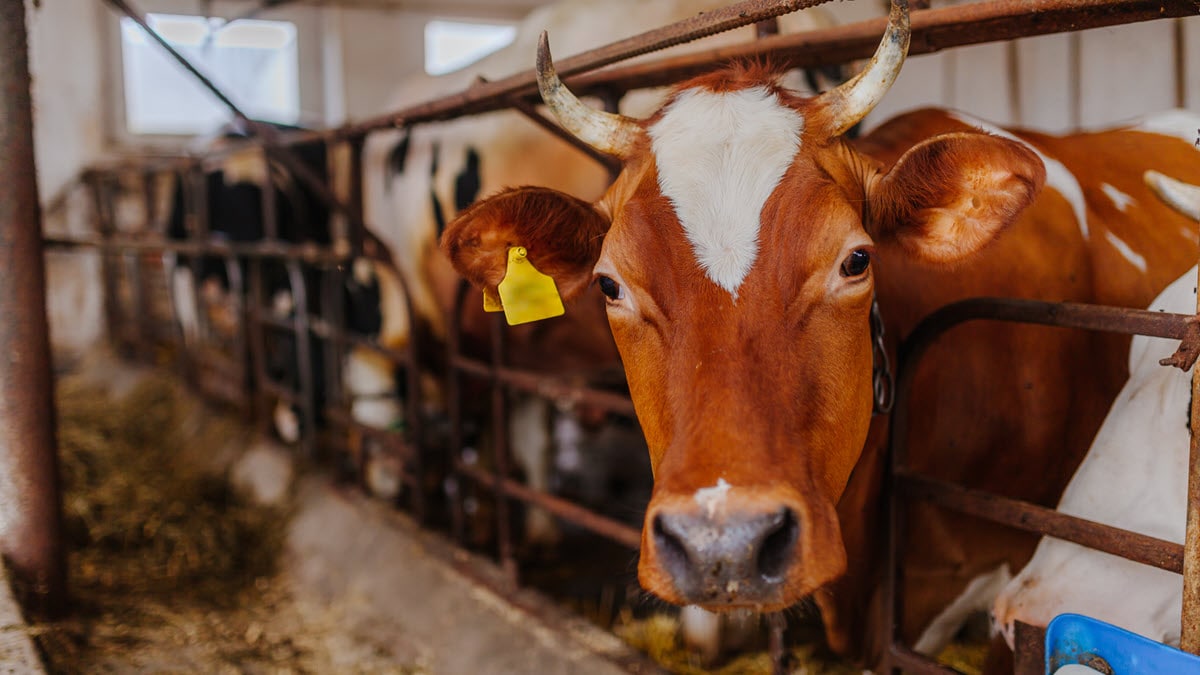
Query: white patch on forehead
(720, 156)
(1119, 199)
(1058, 176)
(712, 499)
(1125, 251)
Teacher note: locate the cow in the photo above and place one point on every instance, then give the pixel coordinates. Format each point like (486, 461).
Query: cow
(417, 179)
(1134, 477)
(233, 211)
(741, 253)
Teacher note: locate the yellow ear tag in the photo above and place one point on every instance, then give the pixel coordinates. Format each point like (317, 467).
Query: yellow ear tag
(491, 301)
(527, 294)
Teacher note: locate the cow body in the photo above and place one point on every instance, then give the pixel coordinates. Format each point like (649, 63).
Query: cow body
(233, 211)
(740, 253)
(1134, 477)
(1010, 408)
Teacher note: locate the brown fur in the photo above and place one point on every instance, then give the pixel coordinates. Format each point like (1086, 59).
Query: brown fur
(772, 393)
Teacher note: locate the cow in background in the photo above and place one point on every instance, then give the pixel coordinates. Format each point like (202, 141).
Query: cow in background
(233, 212)
(742, 253)
(1134, 477)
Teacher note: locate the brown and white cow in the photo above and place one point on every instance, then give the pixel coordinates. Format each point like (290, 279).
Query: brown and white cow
(416, 179)
(740, 251)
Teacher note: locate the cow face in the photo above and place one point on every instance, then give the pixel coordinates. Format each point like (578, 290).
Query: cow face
(735, 251)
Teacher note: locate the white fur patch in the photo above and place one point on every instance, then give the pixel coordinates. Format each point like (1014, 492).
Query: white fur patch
(1117, 486)
(1180, 123)
(1119, 199)
(1058, 176)
(720, 156)
(287, 423)
(712, 499)
(1125, 251)
(977, 596)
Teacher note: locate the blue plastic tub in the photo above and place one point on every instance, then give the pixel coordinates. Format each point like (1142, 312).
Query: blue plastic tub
(1071, 638)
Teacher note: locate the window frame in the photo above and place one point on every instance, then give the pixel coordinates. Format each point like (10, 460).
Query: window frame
(310, 70)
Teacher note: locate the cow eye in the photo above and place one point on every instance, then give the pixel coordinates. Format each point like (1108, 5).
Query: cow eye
(856, 263)
(611, 289)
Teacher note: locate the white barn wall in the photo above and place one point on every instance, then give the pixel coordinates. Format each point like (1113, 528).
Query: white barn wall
(1045, 75)
(1125, 72)
(66, 58)
(1190, 51)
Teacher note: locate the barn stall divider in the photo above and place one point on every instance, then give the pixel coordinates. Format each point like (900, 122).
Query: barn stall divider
(134, 274)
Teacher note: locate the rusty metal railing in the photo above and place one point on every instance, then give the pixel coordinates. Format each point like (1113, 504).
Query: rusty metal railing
(908, 485)
(31, 540)
(125, 256)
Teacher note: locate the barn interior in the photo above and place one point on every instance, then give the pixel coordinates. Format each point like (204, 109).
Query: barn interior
(225, 500)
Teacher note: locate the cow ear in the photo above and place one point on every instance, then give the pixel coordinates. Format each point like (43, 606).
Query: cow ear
(949, 196)
(562, 236)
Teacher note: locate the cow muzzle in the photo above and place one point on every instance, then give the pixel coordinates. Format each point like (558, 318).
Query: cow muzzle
(721, 549)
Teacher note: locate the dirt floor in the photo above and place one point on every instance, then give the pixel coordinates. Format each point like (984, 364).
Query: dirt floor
(172, 570)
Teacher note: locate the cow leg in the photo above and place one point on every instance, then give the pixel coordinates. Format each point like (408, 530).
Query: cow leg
(287, 422)
(369, 382)
(183, 300)
(711, 635)
(976, 597)
(529, 440)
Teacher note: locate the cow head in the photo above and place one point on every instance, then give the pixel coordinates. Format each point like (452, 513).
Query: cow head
(735, 250)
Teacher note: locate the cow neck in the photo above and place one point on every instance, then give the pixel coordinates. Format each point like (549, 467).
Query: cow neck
(882, 381)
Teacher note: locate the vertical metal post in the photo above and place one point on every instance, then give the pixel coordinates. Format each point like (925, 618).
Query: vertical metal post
(256, 333)
(1190, 636)
(304, 351)
(455, 490)
(97, 185)
(499, 418)
(30, 515)
(777, 625)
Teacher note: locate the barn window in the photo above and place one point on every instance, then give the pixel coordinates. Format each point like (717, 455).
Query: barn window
(254, 62)
(450, 45)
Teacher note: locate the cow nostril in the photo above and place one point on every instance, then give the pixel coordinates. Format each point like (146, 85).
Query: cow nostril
(671, 551)
(778, 546)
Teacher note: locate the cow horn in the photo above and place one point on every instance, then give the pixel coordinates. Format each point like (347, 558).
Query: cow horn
(611, 134)
(852, 100)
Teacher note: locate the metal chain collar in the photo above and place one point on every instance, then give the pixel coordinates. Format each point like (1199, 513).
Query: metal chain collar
(883, 383)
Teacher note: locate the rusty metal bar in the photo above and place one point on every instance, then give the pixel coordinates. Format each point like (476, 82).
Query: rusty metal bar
(530, 111)
(140, 19)
(932, 30)
(1030, 517)
(30, 511)
(1022, 515)
(308, 253)
(484, 96)
(1189, 640)
(569, 511)
(455, 488)
(258, 342)
(907, 660)
(776, 626)
(103, 214)
(500, 449)
(547, 386)
(303, 354)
